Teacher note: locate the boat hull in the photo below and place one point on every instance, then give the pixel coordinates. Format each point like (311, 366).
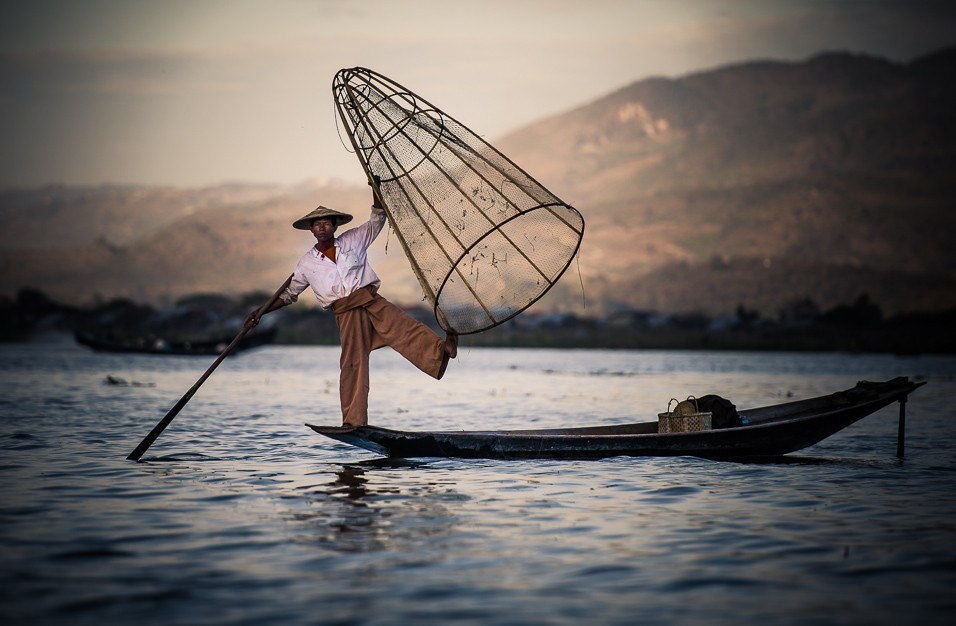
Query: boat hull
(772, 431)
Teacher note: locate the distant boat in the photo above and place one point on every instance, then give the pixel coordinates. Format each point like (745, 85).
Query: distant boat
(764, 432)
(256, 337)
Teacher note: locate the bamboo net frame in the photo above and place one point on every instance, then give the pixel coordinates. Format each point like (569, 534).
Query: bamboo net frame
(484, 239)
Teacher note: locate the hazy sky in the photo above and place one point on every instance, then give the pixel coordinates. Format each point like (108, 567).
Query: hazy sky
(198, 92)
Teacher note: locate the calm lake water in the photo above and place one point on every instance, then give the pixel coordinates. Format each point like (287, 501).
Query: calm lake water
(239, 514)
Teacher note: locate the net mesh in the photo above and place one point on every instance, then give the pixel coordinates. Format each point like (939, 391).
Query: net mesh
(484, 238)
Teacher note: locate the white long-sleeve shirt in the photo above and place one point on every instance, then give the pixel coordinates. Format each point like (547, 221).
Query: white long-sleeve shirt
(331, 280)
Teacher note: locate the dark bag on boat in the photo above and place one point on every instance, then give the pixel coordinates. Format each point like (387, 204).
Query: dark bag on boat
(724, 413)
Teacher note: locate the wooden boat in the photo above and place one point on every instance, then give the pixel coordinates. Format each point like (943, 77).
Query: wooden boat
(768, 431)
(205, 347)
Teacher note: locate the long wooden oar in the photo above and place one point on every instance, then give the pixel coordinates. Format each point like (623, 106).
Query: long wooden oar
(163, 423)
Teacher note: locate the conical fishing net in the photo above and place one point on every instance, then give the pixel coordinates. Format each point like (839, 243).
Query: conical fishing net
(484, 238)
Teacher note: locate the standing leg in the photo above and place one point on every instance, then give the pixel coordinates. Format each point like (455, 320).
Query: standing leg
(357, 336)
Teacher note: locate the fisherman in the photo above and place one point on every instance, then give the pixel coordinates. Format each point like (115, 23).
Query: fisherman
(342, 280)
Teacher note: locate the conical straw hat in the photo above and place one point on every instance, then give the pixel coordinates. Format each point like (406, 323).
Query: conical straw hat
(305, 223)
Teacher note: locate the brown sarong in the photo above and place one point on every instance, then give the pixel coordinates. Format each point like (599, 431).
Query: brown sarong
(367, 321)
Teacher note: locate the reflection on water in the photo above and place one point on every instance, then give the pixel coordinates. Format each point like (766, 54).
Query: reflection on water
(340, 518)
(241, 515)
(350, 481)
(363, 510)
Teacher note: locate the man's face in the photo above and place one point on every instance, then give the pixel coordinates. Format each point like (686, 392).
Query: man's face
(323, 229)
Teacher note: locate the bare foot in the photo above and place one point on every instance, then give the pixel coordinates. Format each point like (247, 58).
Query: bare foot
(451, 345)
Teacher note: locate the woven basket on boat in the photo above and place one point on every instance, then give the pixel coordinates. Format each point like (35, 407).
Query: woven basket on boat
(685, 418)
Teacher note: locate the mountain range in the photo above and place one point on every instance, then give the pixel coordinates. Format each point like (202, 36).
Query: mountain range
(758, 184)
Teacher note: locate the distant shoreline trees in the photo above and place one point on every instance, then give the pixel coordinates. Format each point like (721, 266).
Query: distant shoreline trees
(801, 325)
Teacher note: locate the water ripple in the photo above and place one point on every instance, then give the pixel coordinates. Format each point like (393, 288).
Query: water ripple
(240, 515)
